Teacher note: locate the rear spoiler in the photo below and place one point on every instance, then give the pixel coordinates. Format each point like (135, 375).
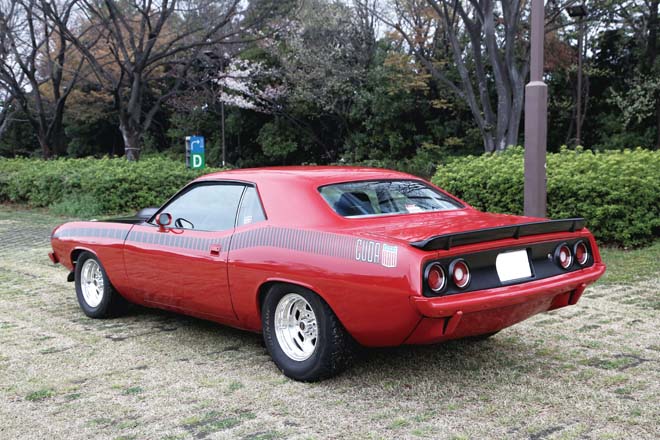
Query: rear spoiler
(447, 241)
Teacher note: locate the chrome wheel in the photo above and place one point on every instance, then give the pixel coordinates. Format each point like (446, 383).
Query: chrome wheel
(295, 327)
(91, 283)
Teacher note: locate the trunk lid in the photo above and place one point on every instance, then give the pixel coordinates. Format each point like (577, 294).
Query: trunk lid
(465, 226)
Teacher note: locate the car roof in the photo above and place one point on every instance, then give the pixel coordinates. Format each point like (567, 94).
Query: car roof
(314, 175)
(290, 194)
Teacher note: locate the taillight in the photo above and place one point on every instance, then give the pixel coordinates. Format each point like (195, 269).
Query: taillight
(435, 278)
(460, 273)
(581, 253)
(563, 256)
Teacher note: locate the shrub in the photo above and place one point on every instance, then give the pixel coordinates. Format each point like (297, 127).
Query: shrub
(422, 164)
(618, 192)
(77, 205)
(88, 187)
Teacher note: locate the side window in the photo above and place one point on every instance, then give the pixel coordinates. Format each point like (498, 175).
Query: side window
(251, 210)
(206, 207)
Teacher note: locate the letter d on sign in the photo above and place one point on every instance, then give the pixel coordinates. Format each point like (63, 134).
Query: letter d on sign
(197, 161)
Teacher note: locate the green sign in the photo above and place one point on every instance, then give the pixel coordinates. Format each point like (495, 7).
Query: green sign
(197, 161)
(197, 158)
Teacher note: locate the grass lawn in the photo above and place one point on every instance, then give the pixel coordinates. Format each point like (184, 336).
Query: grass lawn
(588, 371)
(631, 266)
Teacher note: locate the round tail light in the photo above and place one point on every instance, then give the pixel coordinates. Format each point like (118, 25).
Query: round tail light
(581, 253)
(435, 278)
(460, 273)
(564, 256)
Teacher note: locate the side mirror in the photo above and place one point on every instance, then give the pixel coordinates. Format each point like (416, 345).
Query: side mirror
(163, 219)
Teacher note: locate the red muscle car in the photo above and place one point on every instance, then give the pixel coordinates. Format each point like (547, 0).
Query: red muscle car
(321, 258)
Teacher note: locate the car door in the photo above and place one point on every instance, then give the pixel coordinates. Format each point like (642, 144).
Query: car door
(184, 266)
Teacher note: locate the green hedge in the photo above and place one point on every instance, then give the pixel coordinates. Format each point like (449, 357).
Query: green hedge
(92, 186)
(618, 192)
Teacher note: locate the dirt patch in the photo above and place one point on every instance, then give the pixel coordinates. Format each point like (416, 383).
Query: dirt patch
(589, 371)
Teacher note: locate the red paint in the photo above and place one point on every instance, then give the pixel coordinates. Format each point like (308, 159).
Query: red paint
(576, 294)
(303, 241)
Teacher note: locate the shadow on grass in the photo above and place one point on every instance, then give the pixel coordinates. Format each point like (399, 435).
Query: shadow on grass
(502, 354)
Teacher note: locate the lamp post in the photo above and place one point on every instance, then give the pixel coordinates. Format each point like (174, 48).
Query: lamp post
(222, 116)
(579, 12)
(223, 64)
(536, 119)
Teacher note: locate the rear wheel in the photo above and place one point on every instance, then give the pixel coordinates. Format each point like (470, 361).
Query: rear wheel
(303, 336)
(96, 296)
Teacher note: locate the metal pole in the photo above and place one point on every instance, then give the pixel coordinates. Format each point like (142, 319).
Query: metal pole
(222, 115)
(222, 129)
(536, 119)
(578, 110)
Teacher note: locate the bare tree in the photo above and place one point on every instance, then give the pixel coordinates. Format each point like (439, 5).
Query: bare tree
(479, 50)
(482, 39)
(5, 114)
(6, 96)
(7, 99)
(149, 47)
(36, 66)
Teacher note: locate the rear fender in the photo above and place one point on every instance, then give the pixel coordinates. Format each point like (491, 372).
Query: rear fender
(264, 287)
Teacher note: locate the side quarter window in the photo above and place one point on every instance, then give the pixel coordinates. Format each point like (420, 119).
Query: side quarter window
(206, 207)
(251, 210)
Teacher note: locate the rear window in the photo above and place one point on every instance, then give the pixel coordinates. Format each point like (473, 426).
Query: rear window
(373, 198)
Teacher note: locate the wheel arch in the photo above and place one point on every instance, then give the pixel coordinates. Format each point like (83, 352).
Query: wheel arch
(75, 253)
(266, 286)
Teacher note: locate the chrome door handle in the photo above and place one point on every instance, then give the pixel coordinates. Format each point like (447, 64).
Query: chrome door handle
(215, 249)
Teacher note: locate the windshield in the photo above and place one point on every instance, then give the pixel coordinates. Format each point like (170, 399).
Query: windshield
(373, 198)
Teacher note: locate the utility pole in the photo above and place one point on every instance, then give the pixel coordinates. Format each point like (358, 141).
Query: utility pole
(223, 62)
(579, 12)
(536, 119)
(578, 113)
(222, 117)
(222, 129)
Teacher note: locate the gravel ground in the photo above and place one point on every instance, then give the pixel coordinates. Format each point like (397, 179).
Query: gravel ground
(589, 371)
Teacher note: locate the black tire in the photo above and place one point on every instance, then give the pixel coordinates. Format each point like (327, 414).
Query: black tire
(334, 350)
(112, 303)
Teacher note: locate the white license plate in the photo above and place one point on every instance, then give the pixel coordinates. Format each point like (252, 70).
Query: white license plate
(513, 266)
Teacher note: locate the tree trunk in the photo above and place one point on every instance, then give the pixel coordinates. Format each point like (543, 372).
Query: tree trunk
(657, 122)
(5, 117)
(132, 141)
(518, 102)
(652, 54)
(46, 151)
(489, 142)
(129, 119)
(57, 135)
(652, 45)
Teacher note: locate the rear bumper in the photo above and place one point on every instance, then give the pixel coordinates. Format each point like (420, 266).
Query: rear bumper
(491, 310)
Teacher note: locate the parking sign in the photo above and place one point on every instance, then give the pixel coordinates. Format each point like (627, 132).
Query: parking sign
(197, 158)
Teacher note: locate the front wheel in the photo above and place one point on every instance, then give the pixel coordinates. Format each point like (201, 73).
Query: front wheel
(303, 336)
(96, 296)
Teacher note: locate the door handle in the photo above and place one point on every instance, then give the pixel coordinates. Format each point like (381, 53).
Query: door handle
(215, 249)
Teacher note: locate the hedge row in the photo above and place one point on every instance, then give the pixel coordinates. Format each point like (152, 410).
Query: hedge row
(618, 192)
(92, 186)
